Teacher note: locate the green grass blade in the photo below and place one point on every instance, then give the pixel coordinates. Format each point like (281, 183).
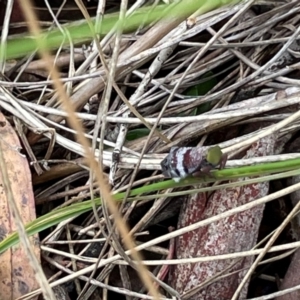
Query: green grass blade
(74, 210)
(18, 46)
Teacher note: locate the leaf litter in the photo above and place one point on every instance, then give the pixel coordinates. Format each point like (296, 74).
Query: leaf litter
(241, 61)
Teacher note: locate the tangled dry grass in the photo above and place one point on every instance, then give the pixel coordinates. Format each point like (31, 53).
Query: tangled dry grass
(228, 76)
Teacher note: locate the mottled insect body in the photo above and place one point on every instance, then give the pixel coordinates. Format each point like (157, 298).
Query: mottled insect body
(184, 161)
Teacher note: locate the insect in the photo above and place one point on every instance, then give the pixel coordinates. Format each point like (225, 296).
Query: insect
(184, 161)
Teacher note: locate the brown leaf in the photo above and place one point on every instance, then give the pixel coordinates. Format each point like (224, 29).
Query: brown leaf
(235, 233)
(16, 275)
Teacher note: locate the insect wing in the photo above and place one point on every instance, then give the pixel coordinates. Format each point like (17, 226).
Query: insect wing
(182, 161)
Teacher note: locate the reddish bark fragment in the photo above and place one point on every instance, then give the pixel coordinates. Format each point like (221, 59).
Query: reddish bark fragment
(236, 233)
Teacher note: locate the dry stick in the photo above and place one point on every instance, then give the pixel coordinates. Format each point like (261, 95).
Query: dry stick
(294, 246)
(244, 112)
(69, 90)
(33, 25)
